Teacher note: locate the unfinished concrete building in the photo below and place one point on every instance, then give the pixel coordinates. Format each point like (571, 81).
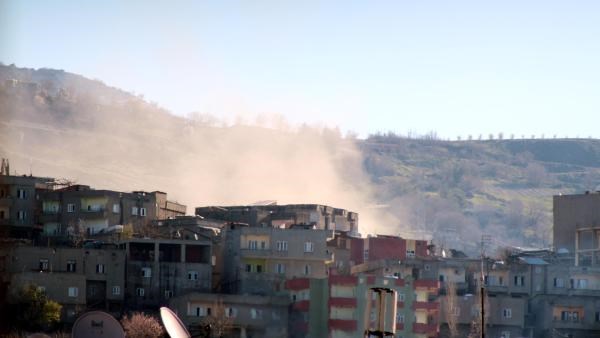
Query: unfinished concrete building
(577, 227)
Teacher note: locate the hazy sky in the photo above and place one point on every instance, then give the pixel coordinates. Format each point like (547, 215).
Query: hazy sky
(457, 67)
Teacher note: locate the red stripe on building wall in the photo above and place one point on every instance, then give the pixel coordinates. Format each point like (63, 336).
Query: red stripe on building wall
(297, 284)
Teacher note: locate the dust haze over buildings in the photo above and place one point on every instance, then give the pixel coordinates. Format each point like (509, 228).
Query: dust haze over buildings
(58, 124)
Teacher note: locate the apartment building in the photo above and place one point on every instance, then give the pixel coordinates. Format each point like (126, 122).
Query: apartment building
(160, 269)
(504, 315)
(258, 260)
(18, 203)
(338, 306)
(284, 216)
(577, 227)
(244, 316)
(79, 279)
(81, 208)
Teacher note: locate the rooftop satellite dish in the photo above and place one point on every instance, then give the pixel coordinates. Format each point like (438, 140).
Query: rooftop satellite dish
(38, 335)
(174, 325)
(96, 324)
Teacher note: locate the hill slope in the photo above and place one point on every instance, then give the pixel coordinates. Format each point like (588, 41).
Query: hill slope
(59, 124)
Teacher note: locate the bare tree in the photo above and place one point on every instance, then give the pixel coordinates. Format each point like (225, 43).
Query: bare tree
(451, 306)
(140, 325)
(218, 321)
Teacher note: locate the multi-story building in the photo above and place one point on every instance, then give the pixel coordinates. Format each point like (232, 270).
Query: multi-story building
(79, 279)
(257, 260)
(247, 316)
(159, 269)
(504, 315)
(577, 227)
(338, 306)
(80, 208)
(18, 204)
(284, 216)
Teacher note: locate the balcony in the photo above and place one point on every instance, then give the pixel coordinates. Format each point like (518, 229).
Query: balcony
(558, 323)
(429, 284)
(423, 328)
(93, 212)
(342, 302)
(428, 306)
(302, 305)
(342, 324)
(256, 253)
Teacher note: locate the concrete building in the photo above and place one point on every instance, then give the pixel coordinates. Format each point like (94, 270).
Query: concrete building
(257, 260)
(244, 316)
(505, 315)
(337, 306)
(285, 216)
(95, 211)
(18, 204)
(159, 269)
(577, 226)
(79, 279)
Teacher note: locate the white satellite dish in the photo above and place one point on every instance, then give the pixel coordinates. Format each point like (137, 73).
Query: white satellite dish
(174, 325)
(97, 324)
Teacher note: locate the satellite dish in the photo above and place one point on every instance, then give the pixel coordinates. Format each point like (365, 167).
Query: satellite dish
(96, 324)
(174, 325)
(38, 335)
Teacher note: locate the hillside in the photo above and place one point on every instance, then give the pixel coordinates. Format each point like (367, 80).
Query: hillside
(54, 123)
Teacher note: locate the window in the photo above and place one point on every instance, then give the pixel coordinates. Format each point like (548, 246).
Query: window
(70, 207)
(280, 268)
(21, 215)
(575, 316)
(505, 334)
(263, 245)
(258, 268)
(44, 265)
(134, 211)
(559, 282)
(366, 255)
(507, 313)
(456, 311)
(142, 211)
(100, 268)
(146, 272)
(248, 268)
(21, 194)
(116, 208)
(168, 294)
(519, 280)
(500, 280)
(399, 318)
(400, 297)
(230, 312)
(582, 283)
(116, 290)
(73, 291)
(252, 245)
(565, 316)
(276, 315)
(427, 267)
(193, 275)
(42, 289)
(309, 247)
(282, 246)
(307, 269)
(256, 313)
(140, 292)
(410, 253)
(597, 316)
(71, 265)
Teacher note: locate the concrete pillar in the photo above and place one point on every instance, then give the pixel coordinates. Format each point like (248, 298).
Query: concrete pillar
(182, 258)
(576, 248)
(156, 252)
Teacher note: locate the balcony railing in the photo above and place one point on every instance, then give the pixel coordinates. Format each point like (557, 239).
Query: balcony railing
(429, 306)
(424, 328)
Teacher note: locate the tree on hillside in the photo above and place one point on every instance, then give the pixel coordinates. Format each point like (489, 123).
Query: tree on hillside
(140, 325)
(33, 311)
(216, 323)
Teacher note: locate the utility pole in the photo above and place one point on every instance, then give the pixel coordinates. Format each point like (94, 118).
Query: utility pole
(484, 240)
